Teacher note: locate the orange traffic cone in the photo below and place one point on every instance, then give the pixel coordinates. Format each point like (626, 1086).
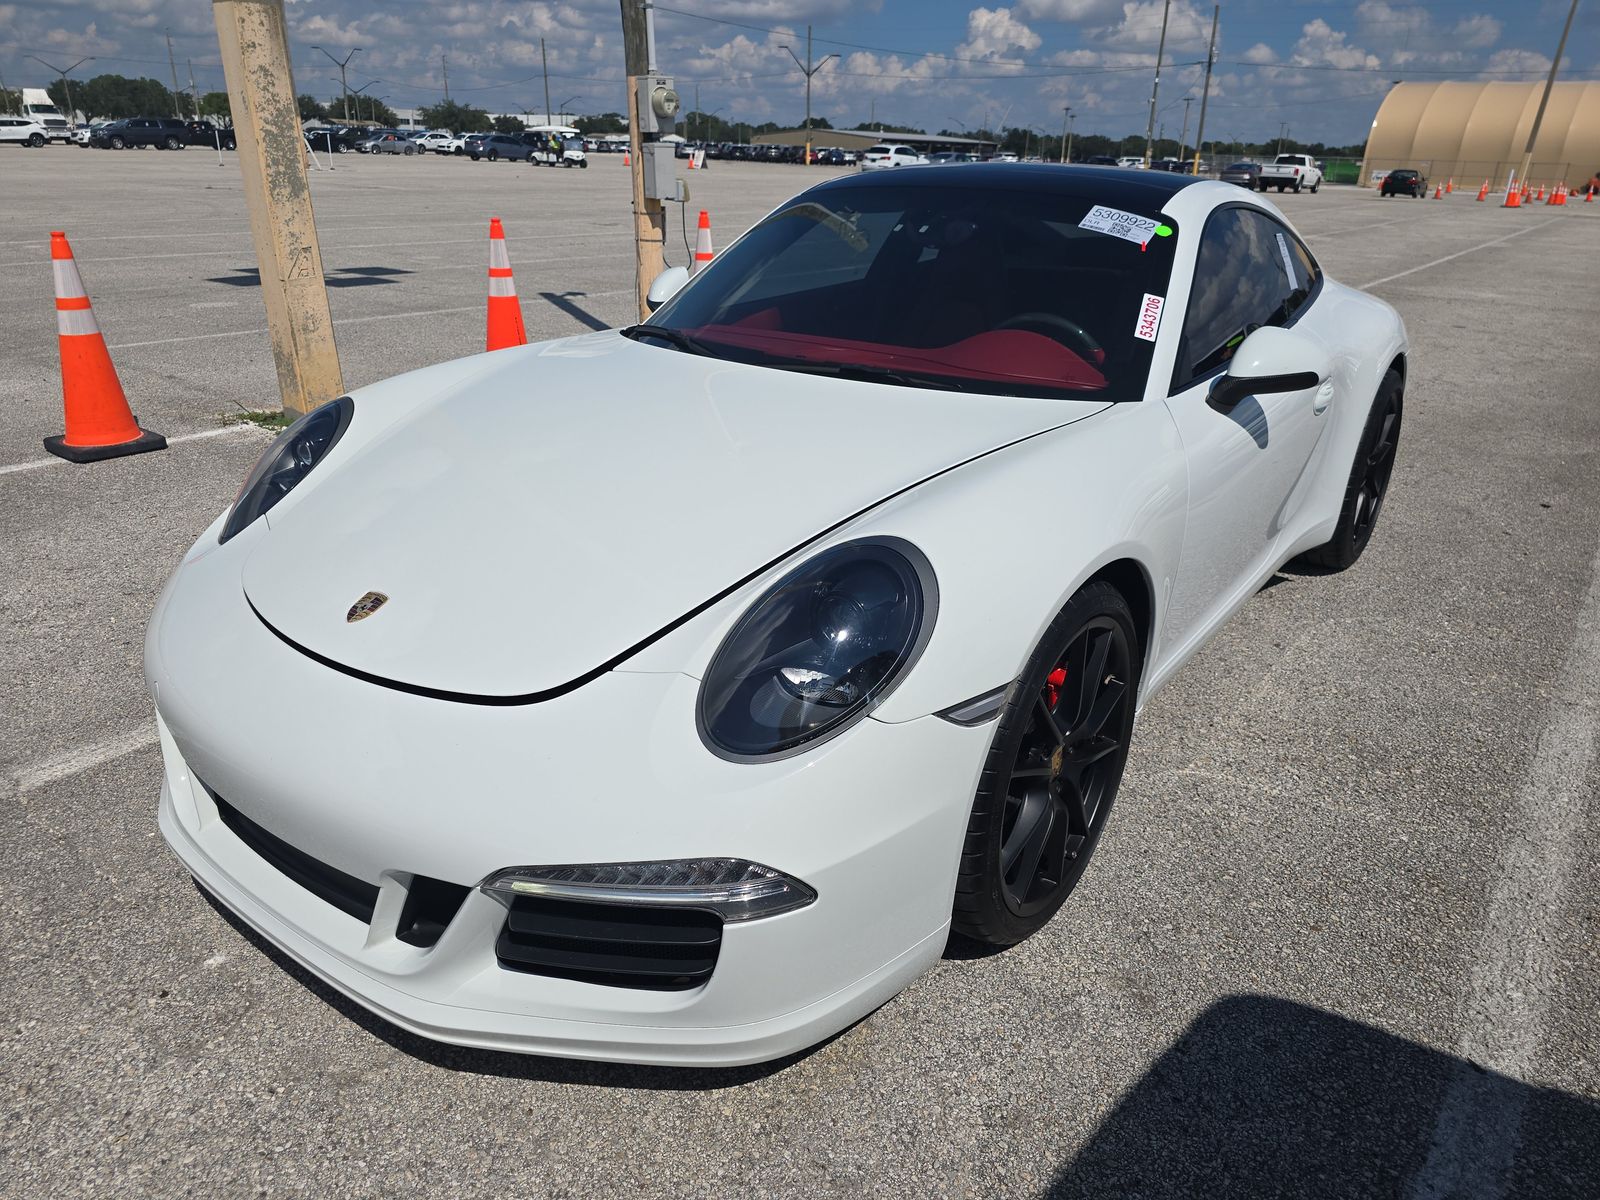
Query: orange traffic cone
(1483, 192)
(625, 159)
(505, 313)
(99, 422)
(1589, 195)
(1540, 196)
(1450, 185)
(702, 245)
(1513, 198)
(690, 167)
(1438, 191)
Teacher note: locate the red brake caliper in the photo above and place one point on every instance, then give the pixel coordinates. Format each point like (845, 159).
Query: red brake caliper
(1052, 686)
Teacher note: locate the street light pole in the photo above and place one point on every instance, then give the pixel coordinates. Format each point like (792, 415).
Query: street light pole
(809, 70)
(1538, 117)
(65, 86)
(343, 84)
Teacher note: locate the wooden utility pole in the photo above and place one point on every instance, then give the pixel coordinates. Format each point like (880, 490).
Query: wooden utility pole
(444, 65)
(649, 216)
(177, 107)
(545, 63)
(1155, 88)
(1205, 95)
(272, 158)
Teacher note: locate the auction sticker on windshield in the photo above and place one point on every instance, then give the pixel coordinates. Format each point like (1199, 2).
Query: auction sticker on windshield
(1126, 225)
(1149, 318)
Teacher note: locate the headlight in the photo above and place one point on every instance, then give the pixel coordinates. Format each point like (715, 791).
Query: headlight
(819, 650)
(287, 461)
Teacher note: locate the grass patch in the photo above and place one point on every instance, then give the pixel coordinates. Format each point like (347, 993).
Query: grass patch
(266, 418)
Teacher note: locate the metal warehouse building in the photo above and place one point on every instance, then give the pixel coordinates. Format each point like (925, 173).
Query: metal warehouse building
(1476, 131)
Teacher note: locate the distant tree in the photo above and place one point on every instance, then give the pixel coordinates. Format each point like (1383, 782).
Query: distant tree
(10, 101)
(216, 105)
(311, 108)
(509, 124)
(452, 115)
(114, 96)
(885, 127)
(817, 123)
(604, 123)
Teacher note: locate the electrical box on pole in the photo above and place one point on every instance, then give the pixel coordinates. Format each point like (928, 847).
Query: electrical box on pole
(651, 102)
(277, 192)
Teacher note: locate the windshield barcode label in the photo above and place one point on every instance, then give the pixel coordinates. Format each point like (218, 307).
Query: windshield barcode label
(1126, 225)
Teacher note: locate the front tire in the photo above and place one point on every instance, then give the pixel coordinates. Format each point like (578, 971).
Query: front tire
(36, 140)
(1053, 771)
(117, 143)
(1368, 483)
(173, 143)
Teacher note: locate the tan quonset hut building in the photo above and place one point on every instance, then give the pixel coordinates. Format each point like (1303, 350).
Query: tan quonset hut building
(1476, 131)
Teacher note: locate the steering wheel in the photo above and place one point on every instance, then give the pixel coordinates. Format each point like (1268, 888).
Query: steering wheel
(1069, 333)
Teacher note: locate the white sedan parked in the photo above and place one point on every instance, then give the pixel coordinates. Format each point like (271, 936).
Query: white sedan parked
(878, 158)
(670, 694)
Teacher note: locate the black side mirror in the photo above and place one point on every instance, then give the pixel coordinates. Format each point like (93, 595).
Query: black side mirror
(1228, 390)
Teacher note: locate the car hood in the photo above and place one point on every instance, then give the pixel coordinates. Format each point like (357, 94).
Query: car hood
(537, 522)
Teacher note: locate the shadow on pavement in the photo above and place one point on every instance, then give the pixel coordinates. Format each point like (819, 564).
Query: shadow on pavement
(1266, 1097)
(561, 301)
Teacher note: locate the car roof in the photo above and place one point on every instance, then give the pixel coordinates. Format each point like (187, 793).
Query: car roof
(1110, 186)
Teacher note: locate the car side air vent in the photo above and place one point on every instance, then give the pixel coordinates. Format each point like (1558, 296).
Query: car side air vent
(345, 892)
(431, 904)
(617, 945)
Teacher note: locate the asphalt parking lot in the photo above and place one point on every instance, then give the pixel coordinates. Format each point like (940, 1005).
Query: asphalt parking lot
(1342, 938)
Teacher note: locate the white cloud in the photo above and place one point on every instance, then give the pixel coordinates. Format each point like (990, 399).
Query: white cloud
(1187, 27)
(1477, 32)
(1529, 62)
(993, 33)
(1260, 53)
(1322, 45)
(1066, 10)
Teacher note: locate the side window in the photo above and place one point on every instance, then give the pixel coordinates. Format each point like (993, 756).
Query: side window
(1250, 272)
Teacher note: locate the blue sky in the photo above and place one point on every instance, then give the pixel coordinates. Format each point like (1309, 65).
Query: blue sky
(1321, 67)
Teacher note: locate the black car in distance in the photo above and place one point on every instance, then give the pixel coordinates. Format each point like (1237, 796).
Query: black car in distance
(1404, 181)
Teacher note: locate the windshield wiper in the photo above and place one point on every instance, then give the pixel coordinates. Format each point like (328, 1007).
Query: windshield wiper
(916, 379)
(683, 341)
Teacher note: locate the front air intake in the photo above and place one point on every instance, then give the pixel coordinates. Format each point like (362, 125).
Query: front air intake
(345, 892)
(616, 945)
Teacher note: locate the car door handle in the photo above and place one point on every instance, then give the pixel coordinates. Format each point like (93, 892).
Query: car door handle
(1324, 397)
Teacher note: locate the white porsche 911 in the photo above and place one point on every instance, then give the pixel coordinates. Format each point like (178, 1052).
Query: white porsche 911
(670, 694)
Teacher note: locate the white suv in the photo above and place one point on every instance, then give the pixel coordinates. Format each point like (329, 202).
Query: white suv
(24, 130)
(878, 158)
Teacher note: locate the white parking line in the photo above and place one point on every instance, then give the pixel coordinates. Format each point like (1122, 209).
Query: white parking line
(82, 758)
(1448, 257)
(1517, 963)
(34, 464)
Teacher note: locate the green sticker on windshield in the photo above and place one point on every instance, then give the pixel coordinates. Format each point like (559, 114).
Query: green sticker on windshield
(1163, 231)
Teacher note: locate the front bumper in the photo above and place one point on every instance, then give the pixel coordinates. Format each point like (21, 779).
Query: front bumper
(385, 786)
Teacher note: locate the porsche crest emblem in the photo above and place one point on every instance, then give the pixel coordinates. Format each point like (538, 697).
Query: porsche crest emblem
(366, 606)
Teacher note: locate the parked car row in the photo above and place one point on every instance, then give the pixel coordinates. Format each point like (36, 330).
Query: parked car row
(164, 133)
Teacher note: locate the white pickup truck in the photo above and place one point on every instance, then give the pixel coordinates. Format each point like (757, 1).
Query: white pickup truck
(1294, 171)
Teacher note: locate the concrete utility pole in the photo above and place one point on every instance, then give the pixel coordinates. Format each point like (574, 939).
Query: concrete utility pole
(1155, 88)
(177, 109)
(344, 83)
(1283, 129)
(1211, 57)
(809, 70)
(545, 62)
(194, 92)
(1066, 130)
(649, 216)
(272, 158)
(444, 65)
(5, 97)
(1183, 138)
(1538, 117)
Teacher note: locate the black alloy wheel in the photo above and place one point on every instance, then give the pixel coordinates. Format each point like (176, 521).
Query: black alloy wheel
(1053, 771)
(494, 156)
(117, 143)
(36, 140)
(173, 143)
(1369, 481)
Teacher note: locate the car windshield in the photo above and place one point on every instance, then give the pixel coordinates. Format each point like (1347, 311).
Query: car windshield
(978, 289)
